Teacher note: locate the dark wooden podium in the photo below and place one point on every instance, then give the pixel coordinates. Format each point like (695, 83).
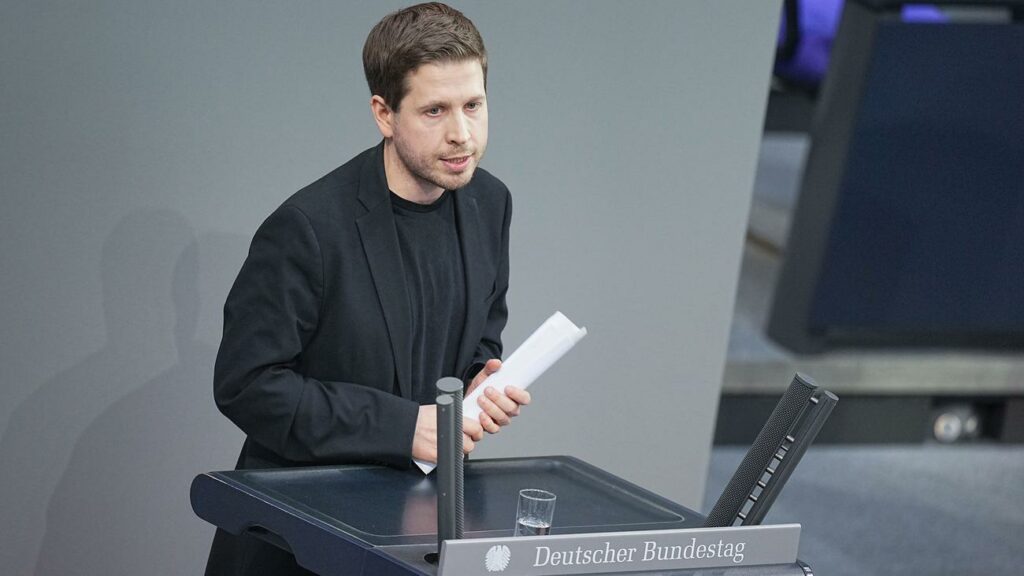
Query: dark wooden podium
(370, 520)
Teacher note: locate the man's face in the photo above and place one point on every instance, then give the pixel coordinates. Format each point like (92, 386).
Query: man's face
(440, 130)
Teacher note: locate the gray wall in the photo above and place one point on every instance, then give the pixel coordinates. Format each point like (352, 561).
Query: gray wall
(143, 142)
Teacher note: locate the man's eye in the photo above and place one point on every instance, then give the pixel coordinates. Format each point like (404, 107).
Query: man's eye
(435, 111)
(473, 106)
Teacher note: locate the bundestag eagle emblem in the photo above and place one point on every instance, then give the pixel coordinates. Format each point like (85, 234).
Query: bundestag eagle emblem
(497, 558)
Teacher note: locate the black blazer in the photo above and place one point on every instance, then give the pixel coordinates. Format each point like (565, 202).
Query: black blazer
(315, 361)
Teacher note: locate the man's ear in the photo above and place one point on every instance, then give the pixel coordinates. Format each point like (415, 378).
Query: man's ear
(383, 116)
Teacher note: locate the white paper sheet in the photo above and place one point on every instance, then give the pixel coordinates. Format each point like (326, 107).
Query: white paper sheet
(556, 336)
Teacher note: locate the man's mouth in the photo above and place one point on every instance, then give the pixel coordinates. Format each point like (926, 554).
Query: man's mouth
(457, 162)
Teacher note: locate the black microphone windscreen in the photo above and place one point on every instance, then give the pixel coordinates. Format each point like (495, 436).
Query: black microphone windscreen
(761, 452)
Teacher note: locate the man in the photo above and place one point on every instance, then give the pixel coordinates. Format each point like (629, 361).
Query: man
(367, 286)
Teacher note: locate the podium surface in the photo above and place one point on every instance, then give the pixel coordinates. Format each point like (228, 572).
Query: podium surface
(353, 520)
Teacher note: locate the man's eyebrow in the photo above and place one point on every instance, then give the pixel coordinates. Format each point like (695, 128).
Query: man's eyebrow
(445, 103)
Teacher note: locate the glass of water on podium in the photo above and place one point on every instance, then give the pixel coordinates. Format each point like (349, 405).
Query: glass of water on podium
(535, 511)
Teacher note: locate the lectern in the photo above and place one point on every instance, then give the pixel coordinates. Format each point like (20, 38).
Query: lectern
(371, 520)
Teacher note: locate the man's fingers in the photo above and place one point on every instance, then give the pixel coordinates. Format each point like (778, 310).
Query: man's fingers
(467, 444)
(492, 409)
(472, 429)
(507, 406)
(518, 395)
(489, 424)
(492, 366)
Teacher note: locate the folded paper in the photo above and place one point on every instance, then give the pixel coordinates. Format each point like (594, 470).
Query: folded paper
(556, 336)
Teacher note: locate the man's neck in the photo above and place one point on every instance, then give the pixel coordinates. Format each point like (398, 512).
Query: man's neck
(405, 184)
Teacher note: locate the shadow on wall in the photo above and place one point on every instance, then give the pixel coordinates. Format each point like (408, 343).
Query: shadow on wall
(98, 447)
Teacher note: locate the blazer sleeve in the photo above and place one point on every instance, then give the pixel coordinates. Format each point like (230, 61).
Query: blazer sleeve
(497, 315)
(269, 316)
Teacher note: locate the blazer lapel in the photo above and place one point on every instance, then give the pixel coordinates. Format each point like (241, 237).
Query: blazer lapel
(474, 262)
(380, 244)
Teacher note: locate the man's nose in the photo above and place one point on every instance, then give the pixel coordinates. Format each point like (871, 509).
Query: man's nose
(458, 129)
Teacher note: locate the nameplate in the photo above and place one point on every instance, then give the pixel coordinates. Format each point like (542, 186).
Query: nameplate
(606, 552)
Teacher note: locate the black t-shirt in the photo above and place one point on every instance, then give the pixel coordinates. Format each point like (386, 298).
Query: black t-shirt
(436, 283)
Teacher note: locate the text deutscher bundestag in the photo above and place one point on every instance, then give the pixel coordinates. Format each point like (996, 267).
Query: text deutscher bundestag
(651, 552)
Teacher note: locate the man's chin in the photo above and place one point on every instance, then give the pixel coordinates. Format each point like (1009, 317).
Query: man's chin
(455, 181)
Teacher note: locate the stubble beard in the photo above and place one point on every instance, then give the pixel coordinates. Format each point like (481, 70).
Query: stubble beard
(428, 167)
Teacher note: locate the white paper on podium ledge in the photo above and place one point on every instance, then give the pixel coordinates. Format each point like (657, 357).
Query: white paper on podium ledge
(556, 336)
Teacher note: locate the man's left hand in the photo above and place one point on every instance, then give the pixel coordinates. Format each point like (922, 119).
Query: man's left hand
(499, 407)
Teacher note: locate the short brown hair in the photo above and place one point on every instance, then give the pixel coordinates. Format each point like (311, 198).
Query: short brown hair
(405, 40)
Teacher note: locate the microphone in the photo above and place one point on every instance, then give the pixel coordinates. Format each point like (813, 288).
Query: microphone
(450, 474)
(789, 431)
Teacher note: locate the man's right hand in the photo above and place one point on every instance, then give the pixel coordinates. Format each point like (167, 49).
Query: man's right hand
(424, 441)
